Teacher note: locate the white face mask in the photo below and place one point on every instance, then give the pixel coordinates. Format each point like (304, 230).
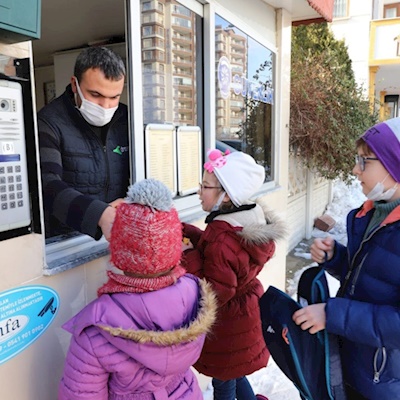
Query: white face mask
(378, 193)
(93, 113)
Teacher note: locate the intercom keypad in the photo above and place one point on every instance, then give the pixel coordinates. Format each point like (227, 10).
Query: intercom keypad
(14, 190)
(11, 194)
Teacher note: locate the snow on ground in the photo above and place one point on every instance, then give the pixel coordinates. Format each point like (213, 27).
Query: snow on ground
(270, 381)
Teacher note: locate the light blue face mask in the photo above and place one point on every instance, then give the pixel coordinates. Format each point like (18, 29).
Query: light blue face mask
(218, 203)
(378, 192)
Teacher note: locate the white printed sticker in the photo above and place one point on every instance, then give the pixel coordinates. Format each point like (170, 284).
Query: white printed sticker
(7, 148)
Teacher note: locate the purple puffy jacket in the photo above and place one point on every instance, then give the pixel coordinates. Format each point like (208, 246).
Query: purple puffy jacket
(129, 346)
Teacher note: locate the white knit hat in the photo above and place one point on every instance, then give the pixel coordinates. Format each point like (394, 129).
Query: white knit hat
(238, 173)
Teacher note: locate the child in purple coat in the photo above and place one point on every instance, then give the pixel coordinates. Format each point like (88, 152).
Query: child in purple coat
(139, 338)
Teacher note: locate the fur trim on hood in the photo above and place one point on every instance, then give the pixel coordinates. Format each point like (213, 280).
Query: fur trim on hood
(201, 325)
(260, 224)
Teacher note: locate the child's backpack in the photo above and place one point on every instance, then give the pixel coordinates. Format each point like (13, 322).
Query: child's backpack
(311, 362)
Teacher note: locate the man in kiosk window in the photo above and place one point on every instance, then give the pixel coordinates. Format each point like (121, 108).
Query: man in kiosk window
(84, 147)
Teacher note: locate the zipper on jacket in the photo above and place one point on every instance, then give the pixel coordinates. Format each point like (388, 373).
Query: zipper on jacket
(112, 122)
(377, 372)
(346, 282)
(364, 241)
(357, 273)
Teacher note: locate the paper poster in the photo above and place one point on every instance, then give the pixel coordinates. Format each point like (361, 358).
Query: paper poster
(189, 159)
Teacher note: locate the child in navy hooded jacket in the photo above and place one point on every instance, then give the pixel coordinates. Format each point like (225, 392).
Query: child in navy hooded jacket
(366, 312)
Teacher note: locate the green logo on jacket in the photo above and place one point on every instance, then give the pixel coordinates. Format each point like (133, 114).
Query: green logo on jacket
(118, 150)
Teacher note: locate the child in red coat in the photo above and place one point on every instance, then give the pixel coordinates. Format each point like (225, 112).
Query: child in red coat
(239, 239)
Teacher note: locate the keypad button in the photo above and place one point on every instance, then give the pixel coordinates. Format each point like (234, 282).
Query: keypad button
(2, 179)
(3, 189)
(19, 186)
(10, 170)
(17, 168)
(18, 178)
(12, 196)
(12, 204)
(4, 206)
(20, 203)
(19, 195)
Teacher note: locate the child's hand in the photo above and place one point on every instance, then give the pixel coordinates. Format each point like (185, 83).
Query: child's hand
(322, 248)
(186, 244)
(116, 203)
(312, 317)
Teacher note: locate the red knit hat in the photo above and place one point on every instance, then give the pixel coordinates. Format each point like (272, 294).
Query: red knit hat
(146, 241)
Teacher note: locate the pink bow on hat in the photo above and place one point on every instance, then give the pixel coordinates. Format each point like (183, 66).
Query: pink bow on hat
(216, 160)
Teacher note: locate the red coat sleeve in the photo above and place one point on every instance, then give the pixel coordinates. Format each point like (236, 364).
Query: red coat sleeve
(192, 232)
(193, 262)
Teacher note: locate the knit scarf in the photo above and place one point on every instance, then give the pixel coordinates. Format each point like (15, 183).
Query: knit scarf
(119, 283)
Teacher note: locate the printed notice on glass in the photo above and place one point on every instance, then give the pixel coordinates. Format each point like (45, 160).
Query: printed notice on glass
(161, 154)
(189, 159)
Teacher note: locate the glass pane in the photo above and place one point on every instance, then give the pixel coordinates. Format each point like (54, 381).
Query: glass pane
(244, 93)
(340, 9)
(391, 12)
(171, 57)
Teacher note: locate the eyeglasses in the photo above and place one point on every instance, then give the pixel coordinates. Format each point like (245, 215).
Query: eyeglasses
(361, 161)
(201, 187)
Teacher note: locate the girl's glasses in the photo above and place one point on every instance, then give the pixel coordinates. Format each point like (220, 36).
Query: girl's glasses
(361, 161)
(201, 187)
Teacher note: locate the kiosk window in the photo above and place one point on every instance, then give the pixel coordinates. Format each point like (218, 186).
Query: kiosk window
(172, 74)
(244, 93)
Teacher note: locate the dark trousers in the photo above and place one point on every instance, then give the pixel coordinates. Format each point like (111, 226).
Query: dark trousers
(239, 389)
(353, 395)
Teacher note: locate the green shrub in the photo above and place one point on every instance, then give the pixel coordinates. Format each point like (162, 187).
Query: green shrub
(328, 110)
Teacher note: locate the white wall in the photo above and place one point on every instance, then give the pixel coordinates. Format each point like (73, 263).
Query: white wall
(255, 14)
(42, 76)
(354, 30)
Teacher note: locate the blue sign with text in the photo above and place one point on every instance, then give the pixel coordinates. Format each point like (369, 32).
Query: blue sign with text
(25, 314)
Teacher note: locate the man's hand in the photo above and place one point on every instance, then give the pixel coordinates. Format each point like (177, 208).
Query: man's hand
(311, 318)
(106, 221)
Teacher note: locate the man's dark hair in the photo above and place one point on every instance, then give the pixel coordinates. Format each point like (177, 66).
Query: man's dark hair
(104, 59)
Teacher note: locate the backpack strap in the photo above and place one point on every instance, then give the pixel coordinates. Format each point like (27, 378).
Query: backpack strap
(312, 289)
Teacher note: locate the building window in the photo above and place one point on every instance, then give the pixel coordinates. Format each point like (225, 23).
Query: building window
(184, 23)
(147, 43)
(147, 31)
(245, 94)
(177, 9)
(146, 6)
(391, 10)
(341, 8)
(148, 55)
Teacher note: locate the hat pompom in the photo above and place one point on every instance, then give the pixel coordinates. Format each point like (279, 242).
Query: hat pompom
(151, 193)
